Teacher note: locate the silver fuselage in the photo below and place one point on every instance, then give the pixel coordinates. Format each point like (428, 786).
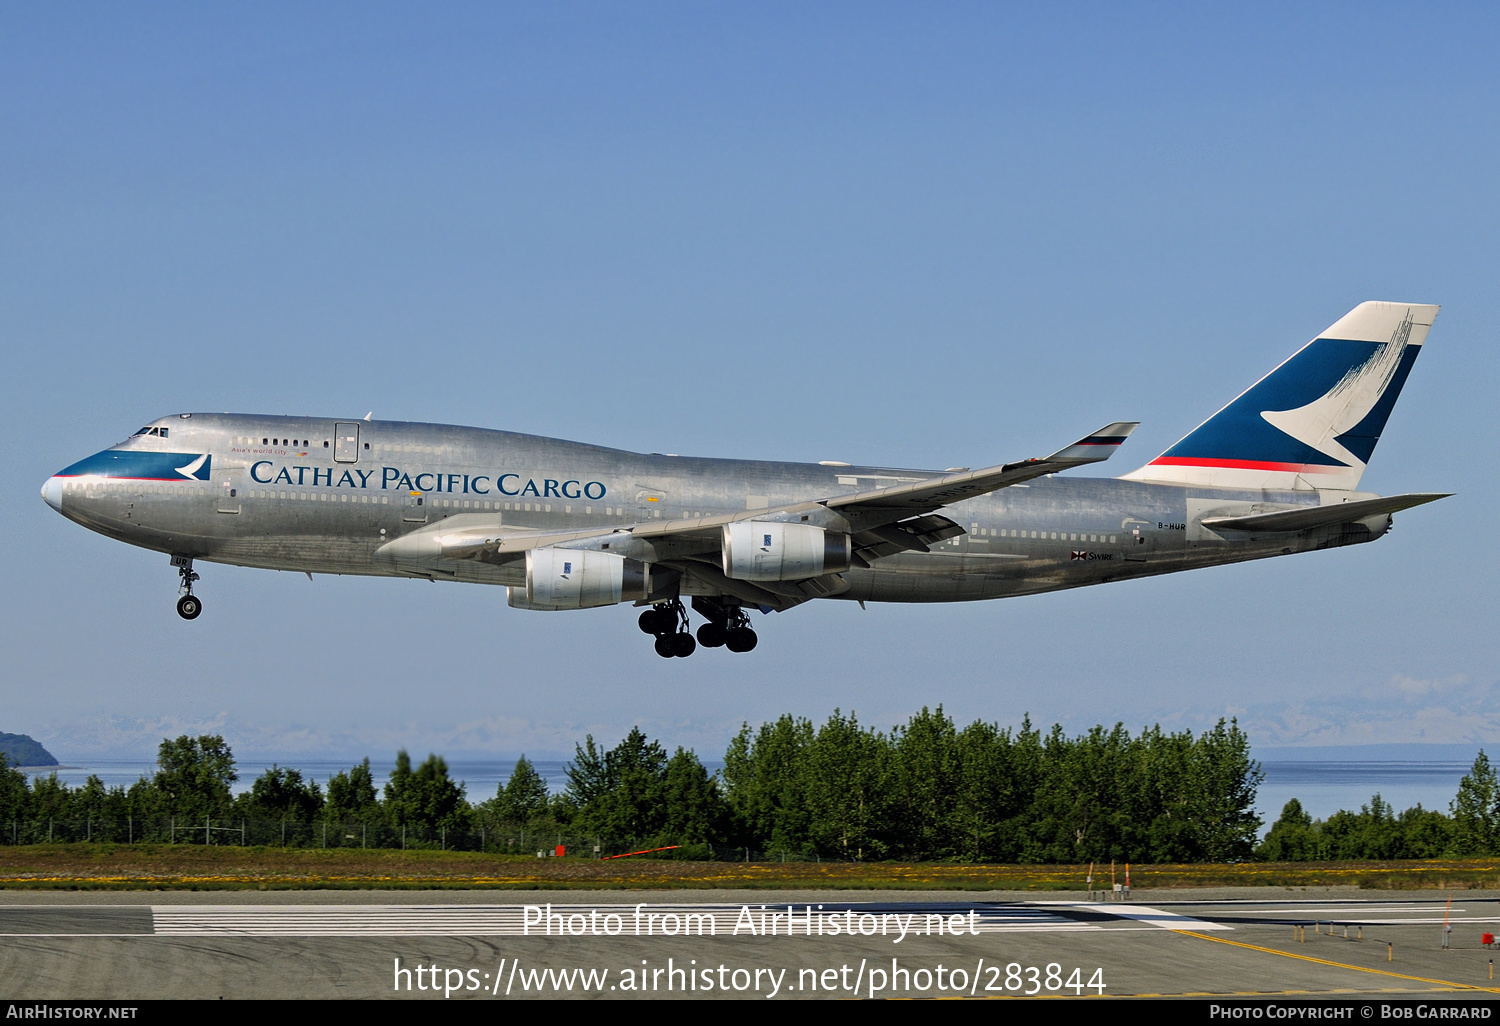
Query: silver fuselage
(342, 504)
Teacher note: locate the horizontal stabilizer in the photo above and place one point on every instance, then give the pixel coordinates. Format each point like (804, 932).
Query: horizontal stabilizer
(1308, 518)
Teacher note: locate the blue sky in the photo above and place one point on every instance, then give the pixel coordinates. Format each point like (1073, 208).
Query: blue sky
(957, 235)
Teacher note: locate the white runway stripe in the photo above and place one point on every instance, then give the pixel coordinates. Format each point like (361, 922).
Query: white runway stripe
(1148, 916)
(580, 920)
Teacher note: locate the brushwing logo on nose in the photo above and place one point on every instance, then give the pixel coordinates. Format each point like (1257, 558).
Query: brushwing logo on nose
(1320, 423)
(192, 470)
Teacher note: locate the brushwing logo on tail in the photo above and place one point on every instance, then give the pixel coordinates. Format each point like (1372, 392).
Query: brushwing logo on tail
(1324, 423)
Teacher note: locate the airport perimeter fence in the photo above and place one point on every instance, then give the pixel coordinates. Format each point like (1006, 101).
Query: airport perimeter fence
(501, 839)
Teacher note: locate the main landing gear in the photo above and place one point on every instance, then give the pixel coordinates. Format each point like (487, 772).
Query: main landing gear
(727, 627)
(189, 605)
(669, 622)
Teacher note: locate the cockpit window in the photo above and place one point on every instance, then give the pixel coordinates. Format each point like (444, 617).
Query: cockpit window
(145, 430)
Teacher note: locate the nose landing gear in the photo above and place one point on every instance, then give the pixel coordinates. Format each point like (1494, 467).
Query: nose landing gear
(189, 605)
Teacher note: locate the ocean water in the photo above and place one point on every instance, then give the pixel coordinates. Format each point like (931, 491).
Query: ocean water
(1325, 787)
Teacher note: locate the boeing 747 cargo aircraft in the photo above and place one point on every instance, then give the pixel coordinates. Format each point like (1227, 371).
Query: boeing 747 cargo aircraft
(564, 525)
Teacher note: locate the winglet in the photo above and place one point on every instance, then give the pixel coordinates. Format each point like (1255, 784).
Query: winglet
(1097, 447)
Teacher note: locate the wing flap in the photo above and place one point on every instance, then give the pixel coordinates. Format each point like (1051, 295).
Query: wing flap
(917, 534)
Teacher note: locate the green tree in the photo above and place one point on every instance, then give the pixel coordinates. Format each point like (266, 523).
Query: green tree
(351, 794)
(924, 772)
(847, 773)
(50, 798)
(1476, 810)
(588, 776)
(1228, 780)
(282, 794)
(766, 780)
(620, 793)
(1425, 833)
(1371, 833)
(523, 796)
(1292, 837)
(425, 797)
(13, 791)
(94, 800)
(1081, 802)
(983, 789)
(194, 775)
(696, 812)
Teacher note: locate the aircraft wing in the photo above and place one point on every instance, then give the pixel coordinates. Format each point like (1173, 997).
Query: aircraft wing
(883, 521)
(887, 505)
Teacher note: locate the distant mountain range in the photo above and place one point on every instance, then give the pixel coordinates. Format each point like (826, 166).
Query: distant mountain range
(23, 750)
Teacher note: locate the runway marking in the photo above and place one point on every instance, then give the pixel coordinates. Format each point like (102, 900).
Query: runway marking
(509, 920)
(1340, 965)
(1152, 916)
(1325, 910)
(1422, 921)
(721, 920)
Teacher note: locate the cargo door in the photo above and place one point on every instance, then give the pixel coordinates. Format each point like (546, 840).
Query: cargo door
(651, 504)
(346, 443)
(412, 509)
(1139, 539)
(226, 490)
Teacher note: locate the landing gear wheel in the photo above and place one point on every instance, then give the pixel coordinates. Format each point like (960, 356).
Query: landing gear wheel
(666, 647)
(712, 635)
(649, 622)
(188, 607)
(683, 645)
(741, 639)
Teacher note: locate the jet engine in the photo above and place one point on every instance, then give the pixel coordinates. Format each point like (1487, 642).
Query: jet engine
(580, 579)
(756, 550)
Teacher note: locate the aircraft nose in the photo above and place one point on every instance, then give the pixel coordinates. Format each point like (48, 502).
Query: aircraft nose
(52, 493)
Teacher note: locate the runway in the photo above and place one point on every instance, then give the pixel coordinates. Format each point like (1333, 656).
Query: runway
(492, 945)
(640, 920)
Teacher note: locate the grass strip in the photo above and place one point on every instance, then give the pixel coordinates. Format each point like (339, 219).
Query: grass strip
(196, 867)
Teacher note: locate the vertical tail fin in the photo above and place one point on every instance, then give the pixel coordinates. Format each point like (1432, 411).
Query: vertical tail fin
(1313, 421)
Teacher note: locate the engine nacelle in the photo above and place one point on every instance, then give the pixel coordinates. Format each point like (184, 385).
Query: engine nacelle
(580, 579)
(757, 550)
